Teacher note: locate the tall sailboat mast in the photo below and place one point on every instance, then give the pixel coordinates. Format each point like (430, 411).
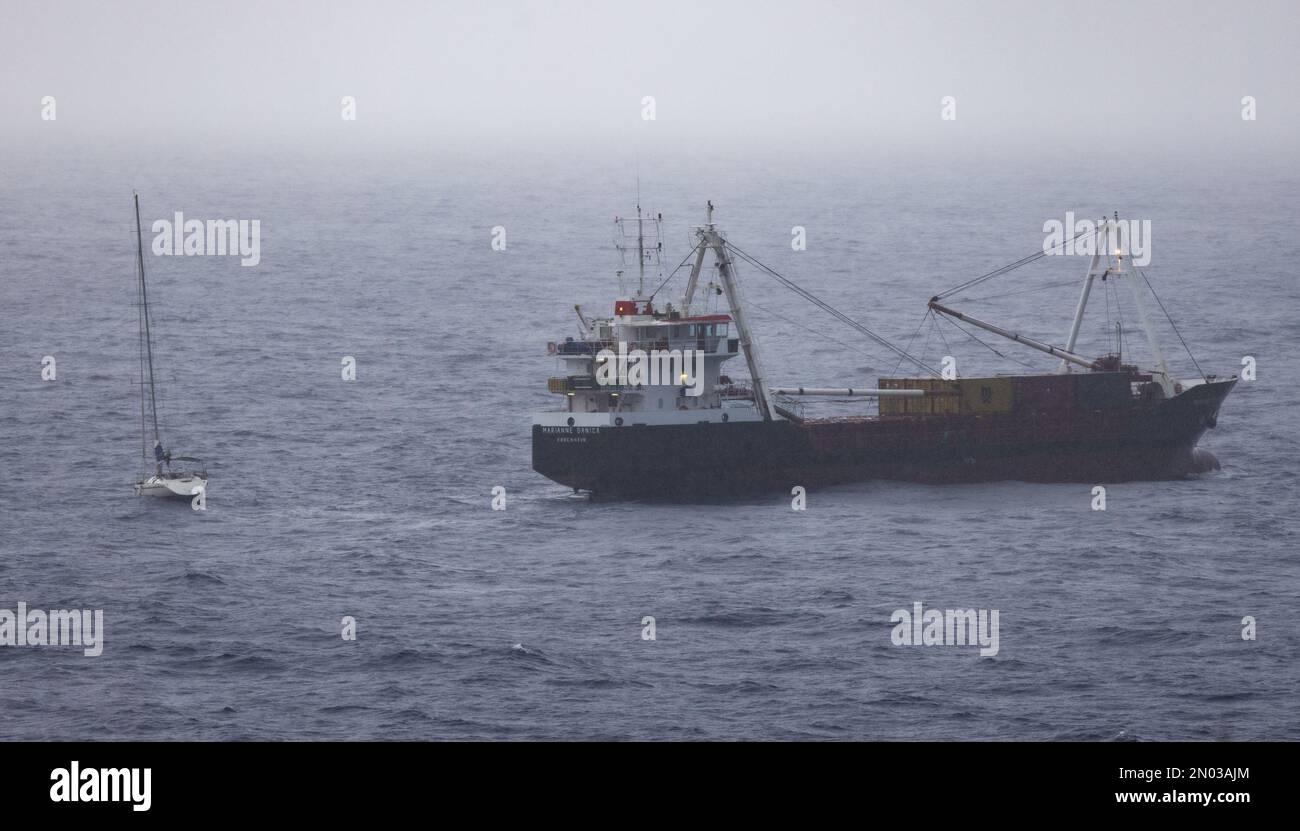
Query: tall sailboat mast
(190, 483)
(144, 314)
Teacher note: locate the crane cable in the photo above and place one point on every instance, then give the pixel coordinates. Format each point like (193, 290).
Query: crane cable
(1023, 261)
(829, 309)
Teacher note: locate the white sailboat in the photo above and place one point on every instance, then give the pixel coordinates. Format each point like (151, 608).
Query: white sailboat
(166, 480)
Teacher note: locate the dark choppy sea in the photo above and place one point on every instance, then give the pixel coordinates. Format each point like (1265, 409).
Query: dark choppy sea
(372, 499)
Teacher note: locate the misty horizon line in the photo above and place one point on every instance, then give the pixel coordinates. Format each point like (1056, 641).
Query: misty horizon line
(600, 151)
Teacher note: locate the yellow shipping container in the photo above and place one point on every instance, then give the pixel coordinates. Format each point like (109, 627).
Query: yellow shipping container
(968, 395)
(987, 395)
(891, 406)
(923, 405)
(941, 397)
(946, 397)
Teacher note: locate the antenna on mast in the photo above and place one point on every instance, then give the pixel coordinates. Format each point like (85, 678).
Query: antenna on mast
(640, 243)
(649, 242)
(640, 234)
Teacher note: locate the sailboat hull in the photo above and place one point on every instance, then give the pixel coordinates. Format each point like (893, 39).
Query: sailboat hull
(171, 486)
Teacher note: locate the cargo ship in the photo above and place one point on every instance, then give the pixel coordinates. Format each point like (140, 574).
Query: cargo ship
(698, 435)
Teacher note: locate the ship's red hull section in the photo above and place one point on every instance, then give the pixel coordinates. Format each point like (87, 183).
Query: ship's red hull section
(1140, 440)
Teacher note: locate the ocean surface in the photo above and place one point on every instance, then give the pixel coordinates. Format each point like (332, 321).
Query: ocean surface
(372, 498)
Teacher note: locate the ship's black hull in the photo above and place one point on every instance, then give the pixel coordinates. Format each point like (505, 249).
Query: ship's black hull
(717, 461)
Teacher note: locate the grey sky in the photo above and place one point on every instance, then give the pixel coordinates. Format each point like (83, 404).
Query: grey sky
(567, 74)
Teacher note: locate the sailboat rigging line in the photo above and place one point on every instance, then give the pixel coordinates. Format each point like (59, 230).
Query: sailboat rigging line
(144, 424)
(1152, 289)
(812, 298)
(1023, 261)
(673, 273)
(144, 299)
